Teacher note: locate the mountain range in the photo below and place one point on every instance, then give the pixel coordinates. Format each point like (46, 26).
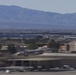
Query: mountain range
(16, 17)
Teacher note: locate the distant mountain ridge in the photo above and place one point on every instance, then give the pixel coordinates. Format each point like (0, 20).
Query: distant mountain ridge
(18, 17)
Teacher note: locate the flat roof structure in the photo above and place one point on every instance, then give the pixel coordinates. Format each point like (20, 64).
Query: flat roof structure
(35, 59)
(46, 59)
(58, 54)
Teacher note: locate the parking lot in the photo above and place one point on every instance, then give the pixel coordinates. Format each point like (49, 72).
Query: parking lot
(52, 71)
(40, 73)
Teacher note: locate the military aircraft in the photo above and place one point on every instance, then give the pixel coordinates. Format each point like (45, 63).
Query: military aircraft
(34, 52)
(30, 52)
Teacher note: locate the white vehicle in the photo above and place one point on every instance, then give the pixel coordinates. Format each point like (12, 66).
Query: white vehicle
(8, 71)
(66, 66)
(14, 68)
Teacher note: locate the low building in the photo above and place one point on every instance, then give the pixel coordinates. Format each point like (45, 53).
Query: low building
(45, 60)
(68, 47)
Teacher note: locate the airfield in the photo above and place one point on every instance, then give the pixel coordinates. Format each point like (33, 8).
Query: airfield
(40, 73)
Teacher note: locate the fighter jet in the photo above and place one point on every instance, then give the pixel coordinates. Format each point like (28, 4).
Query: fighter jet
(30, 52)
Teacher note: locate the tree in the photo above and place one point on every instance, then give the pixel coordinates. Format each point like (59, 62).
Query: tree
(12, 48)
(39, 37)
(54, 45)
(32, 45)
(0, 46)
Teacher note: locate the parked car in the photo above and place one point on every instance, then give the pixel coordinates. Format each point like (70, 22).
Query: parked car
(66, 66)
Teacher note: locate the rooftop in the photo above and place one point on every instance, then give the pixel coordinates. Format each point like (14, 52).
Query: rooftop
(58, 54)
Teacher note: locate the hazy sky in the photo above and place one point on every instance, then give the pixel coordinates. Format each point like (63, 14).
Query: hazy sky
(60, 6)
